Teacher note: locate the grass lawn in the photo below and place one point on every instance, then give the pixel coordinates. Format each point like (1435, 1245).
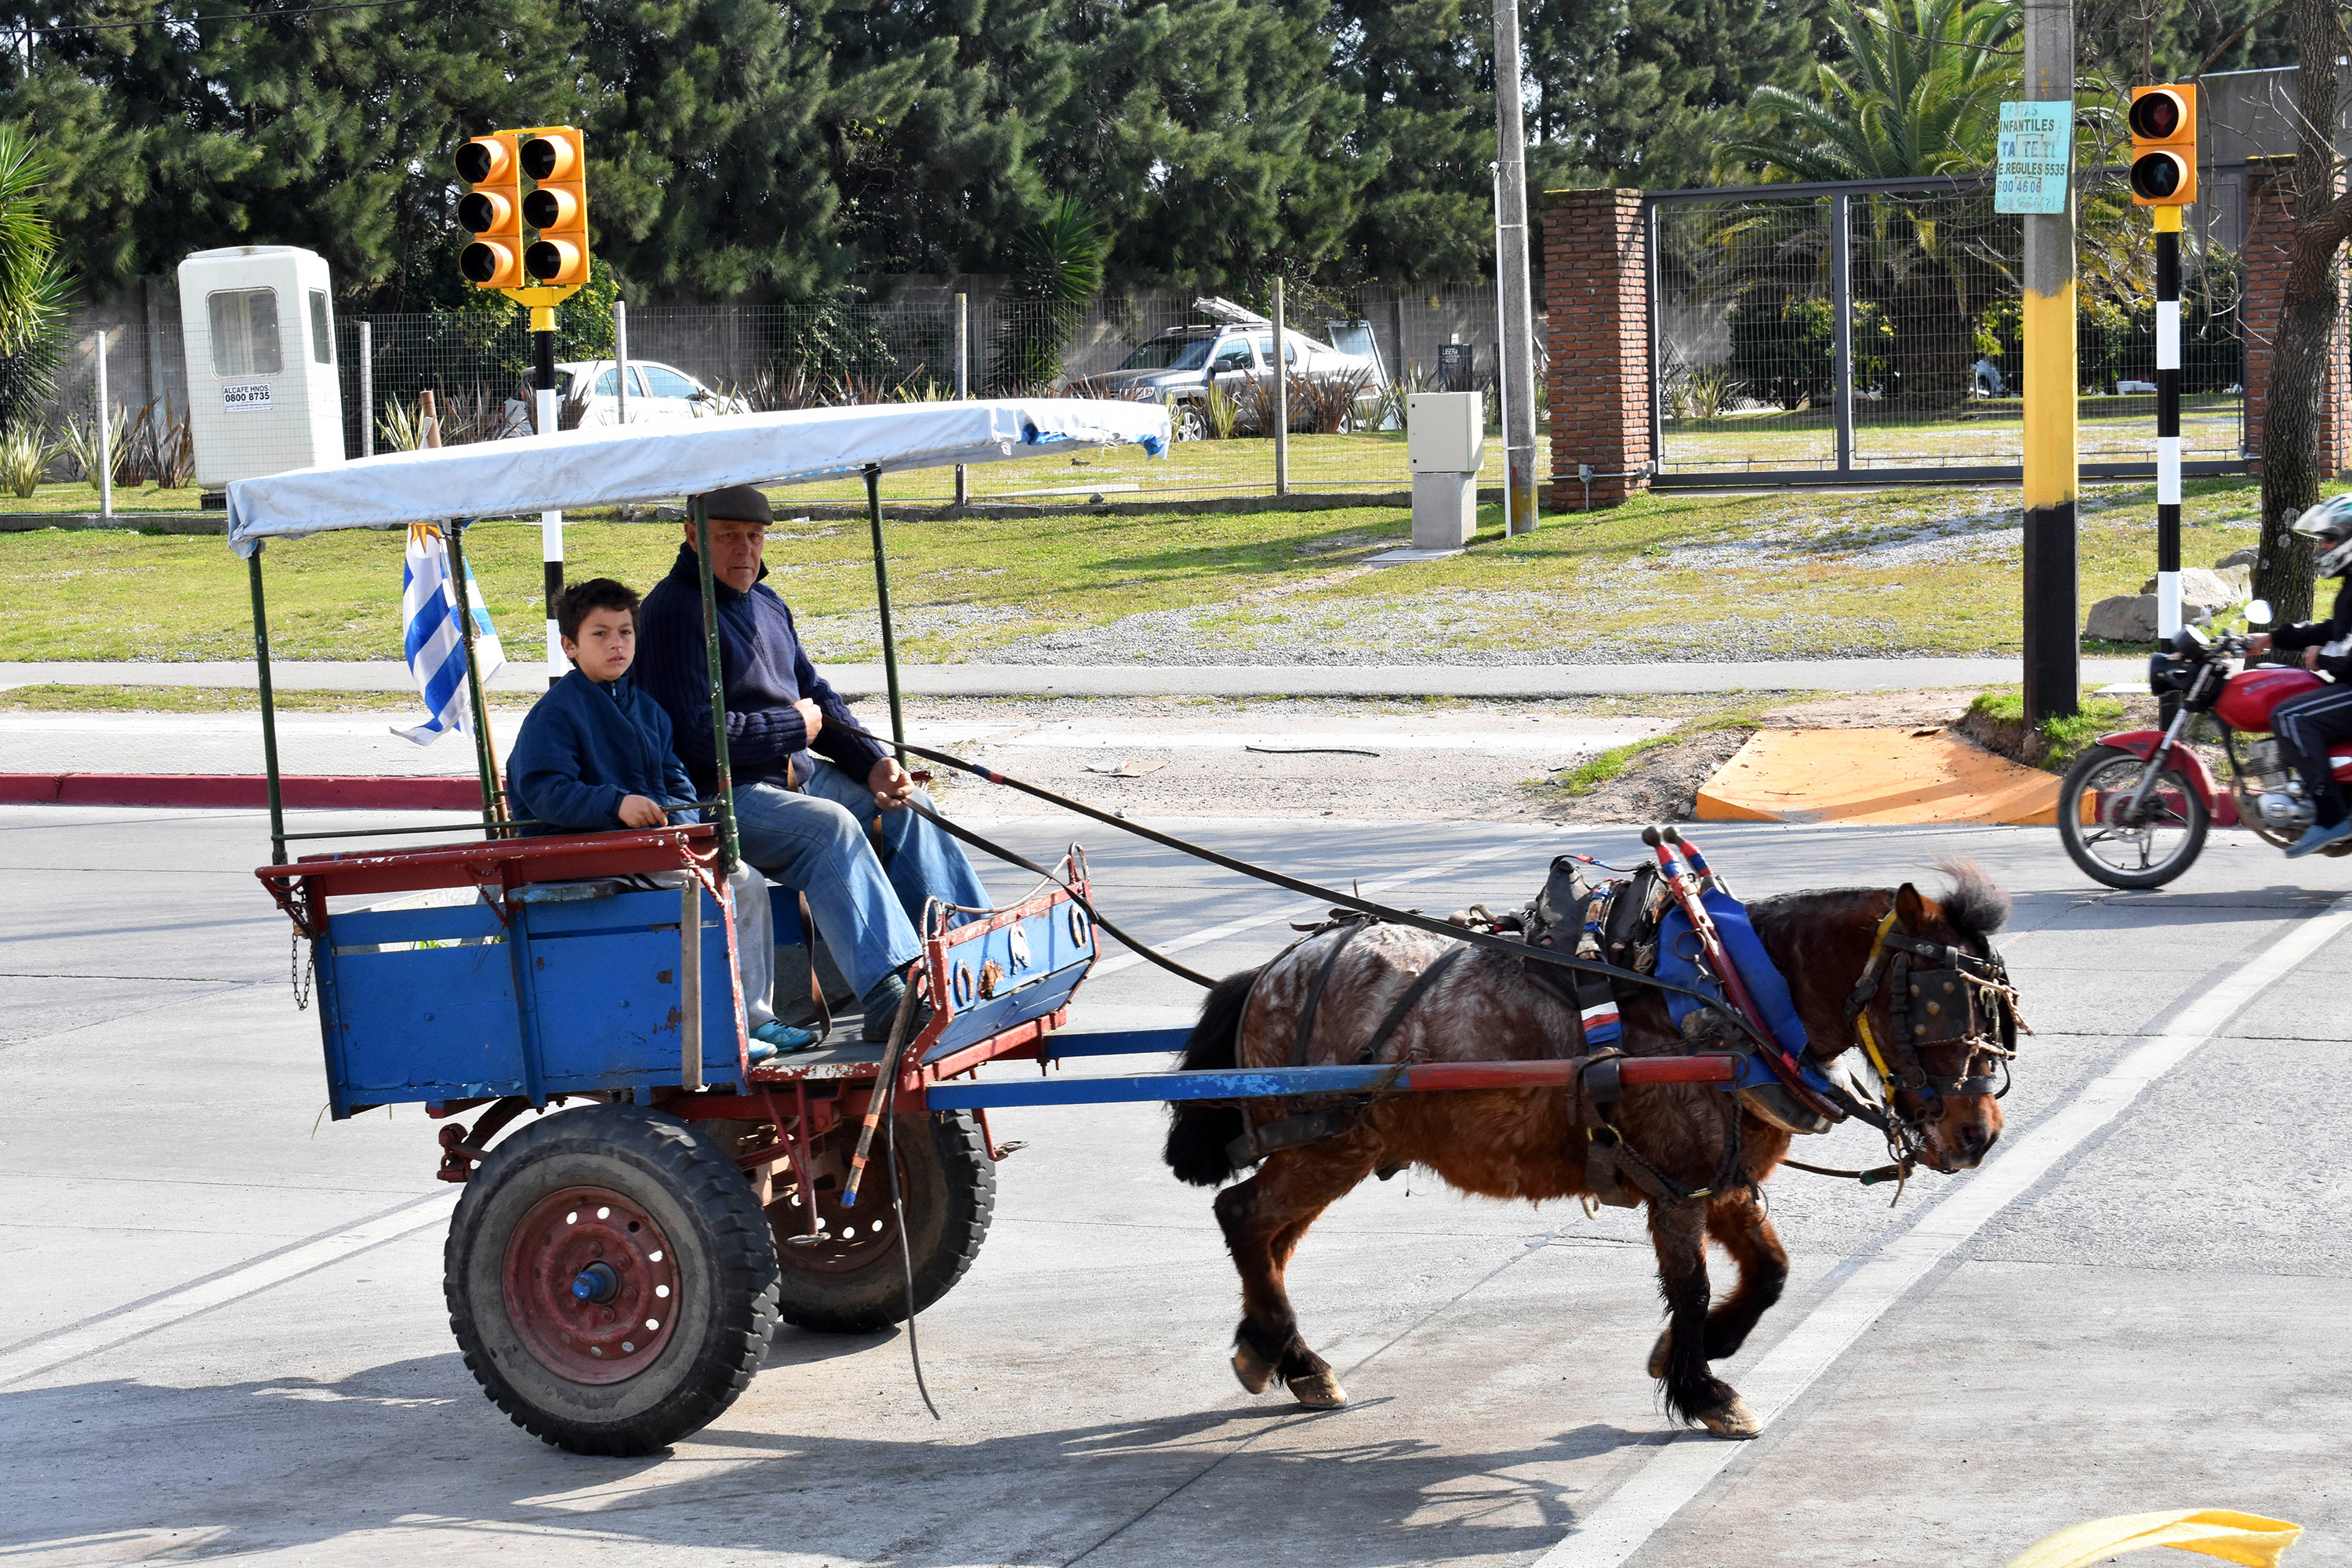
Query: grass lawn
(79, 496)
(1665, 576)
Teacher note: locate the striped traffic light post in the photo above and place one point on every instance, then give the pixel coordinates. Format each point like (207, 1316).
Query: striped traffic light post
(539, 275)
(2163, 121)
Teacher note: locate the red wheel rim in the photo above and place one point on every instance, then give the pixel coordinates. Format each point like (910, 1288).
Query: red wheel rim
(591, 1233)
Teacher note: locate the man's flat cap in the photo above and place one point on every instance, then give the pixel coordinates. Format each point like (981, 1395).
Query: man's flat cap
(738, 503)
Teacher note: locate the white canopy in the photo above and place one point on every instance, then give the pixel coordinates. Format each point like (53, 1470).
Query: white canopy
(641, 463)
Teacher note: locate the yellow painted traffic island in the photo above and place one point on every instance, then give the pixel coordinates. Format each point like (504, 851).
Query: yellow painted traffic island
(1874, 775)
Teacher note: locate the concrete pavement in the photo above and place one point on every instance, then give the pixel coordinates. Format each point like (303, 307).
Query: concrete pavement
(1494, 681)
(2146, 1324)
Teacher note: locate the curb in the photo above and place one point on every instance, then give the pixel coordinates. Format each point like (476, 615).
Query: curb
(247, 791)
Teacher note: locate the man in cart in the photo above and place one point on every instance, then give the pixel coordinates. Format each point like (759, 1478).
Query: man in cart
(806, 784)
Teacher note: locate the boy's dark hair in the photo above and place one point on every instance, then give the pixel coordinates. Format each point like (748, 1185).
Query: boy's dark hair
(596, 594)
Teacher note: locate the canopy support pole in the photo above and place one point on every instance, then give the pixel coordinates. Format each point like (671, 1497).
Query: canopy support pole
(486, 757)
(268, 709)
(717, 675)
(882, 596)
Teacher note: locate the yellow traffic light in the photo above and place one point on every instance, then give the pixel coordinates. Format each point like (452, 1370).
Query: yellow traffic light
(556, 160)
(2164, 145)
(492, 212)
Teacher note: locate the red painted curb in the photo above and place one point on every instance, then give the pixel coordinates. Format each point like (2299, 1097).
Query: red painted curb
(241, 791)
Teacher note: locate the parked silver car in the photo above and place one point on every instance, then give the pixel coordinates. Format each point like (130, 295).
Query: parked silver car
(1179, 366)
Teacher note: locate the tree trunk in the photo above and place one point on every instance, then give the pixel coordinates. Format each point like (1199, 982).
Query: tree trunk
(2307, 316)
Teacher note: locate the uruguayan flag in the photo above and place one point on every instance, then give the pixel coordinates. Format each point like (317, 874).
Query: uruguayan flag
(437, 658)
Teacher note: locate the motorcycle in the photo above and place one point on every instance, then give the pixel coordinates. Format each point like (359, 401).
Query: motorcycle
(2135, 809)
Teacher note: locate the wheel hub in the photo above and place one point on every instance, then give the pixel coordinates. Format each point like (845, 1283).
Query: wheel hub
(847, 1237)
(590, 1285)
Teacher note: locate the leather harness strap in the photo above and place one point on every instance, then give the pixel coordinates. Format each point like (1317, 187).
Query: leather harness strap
(1403, 1004)
(1306, 1012)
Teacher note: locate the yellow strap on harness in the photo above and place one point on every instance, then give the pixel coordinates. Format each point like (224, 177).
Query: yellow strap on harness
(1862, 1020)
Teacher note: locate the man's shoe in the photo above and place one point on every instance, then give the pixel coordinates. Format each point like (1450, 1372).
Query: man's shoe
(776, 1038)
(2318, 838)
(881, 1007)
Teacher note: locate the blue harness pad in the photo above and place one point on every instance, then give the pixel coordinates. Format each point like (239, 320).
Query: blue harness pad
(1678, 951)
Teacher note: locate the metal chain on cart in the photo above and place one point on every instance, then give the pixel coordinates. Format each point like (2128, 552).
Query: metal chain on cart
(299, 964)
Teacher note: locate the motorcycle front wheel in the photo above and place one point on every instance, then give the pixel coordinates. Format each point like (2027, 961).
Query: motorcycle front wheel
(2112, 844)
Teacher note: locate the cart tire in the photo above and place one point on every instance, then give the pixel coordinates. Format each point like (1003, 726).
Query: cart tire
(679, 1235)
(858, 1284)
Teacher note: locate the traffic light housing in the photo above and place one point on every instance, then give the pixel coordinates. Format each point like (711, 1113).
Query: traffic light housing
(557, 206)
(2163, 121)
(491, 210)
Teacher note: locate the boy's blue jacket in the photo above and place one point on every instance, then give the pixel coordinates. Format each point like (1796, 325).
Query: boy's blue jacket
(583, 748)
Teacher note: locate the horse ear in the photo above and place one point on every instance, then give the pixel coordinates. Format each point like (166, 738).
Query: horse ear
(1913, 913)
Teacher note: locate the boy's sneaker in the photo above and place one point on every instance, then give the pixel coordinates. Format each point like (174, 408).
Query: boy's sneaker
(881, 1007)
(776, 1038)
(2318, 838)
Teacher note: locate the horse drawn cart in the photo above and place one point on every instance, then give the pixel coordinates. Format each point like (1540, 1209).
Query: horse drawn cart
(642, 1202)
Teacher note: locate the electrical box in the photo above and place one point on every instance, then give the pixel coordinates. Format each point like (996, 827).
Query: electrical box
(1445, 432)
(264, 394)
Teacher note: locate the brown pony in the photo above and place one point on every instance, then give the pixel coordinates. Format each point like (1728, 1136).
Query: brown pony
(1532, 1143)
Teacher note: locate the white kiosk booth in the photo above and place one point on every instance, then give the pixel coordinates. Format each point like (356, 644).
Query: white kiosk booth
(263, 396)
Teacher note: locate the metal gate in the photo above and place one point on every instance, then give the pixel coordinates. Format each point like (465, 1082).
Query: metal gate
(1868, 332)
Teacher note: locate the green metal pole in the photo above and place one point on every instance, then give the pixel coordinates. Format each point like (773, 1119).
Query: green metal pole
(486, 757)
(882, 596)
(268, 709)
(718, 676)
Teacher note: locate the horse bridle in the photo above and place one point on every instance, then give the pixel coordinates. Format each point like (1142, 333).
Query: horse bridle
(1951, 997)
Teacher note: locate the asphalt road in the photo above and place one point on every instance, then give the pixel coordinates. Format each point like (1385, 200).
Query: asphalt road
(222, 1331)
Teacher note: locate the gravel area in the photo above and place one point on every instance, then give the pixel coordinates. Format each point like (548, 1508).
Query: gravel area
(1447, 760)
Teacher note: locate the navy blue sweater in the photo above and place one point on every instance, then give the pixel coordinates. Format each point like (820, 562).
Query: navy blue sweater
(766, 672)
(583, 748)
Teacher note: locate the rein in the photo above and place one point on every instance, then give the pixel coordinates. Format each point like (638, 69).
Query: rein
(1412, 918)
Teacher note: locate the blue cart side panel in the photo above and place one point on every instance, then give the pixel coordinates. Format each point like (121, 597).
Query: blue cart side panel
(1041, 960)
(597, 1007)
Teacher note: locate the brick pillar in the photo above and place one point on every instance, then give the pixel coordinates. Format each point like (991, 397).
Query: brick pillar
(2270, 220)
(1598, 315)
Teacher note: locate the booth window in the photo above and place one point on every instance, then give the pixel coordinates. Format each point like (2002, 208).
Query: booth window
(245, 331)
(322, 333)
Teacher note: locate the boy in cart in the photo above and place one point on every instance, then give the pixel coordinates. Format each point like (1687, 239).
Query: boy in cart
(593, 755)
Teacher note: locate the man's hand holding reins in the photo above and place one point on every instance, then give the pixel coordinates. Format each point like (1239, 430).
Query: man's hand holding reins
(891, 784)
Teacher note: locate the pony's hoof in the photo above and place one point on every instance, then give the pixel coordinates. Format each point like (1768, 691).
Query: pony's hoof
(1661, 1351)
(1320, 1392)
(1732, 1419)
(1255, 1375)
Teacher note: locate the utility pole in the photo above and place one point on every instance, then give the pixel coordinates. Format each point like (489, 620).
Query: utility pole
(2052, 656)
(1518, 366)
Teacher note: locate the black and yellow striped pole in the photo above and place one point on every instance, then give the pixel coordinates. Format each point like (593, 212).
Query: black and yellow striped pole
(2053, 677)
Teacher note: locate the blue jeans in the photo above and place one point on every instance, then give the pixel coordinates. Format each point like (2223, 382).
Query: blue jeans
(865, 906)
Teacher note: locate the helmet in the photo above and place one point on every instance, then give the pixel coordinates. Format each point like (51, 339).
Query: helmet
(2328, 526)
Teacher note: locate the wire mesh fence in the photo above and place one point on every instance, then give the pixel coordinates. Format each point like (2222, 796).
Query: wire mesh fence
(1875, 330)
(393, 381)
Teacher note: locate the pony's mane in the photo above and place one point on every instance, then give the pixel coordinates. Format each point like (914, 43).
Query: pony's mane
(1975, 905)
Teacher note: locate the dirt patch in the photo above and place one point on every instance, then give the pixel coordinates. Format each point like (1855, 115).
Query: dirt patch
(1658, 785)
(1874, 711)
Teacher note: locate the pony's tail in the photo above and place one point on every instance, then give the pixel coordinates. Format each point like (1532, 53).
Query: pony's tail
(1198, 1132)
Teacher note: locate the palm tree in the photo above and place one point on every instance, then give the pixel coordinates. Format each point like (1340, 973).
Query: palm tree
(33, 287)
(1918, 92)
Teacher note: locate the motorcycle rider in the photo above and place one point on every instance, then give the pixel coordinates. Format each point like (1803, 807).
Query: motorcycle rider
(2308, 725)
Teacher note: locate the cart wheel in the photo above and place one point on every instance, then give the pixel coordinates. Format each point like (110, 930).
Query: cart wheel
(610, 1279)
(854, 1281)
